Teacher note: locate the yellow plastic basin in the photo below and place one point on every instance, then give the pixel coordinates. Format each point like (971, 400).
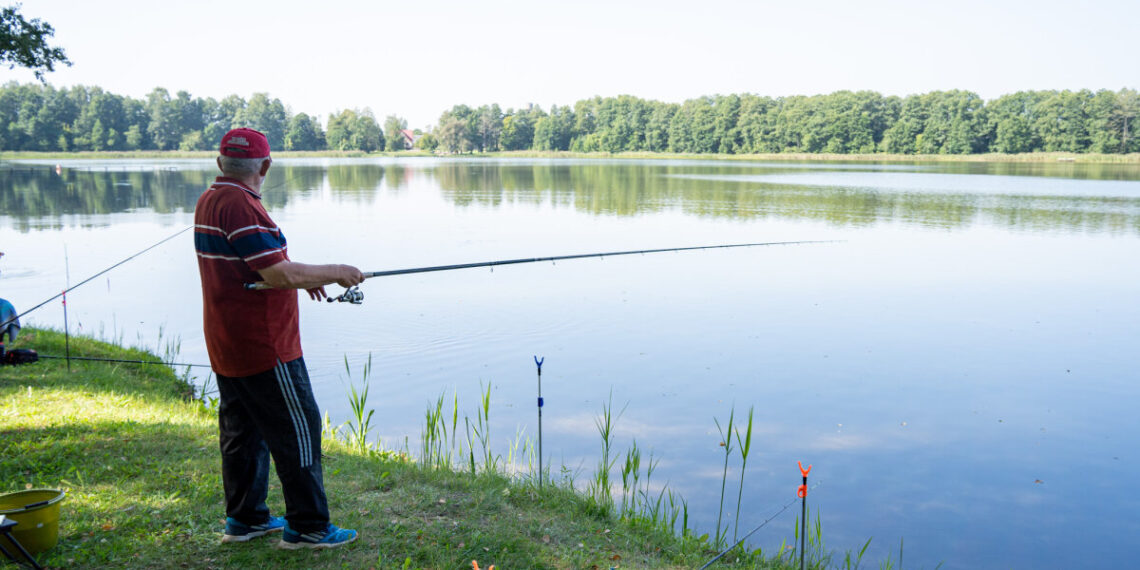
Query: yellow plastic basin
(37, 511)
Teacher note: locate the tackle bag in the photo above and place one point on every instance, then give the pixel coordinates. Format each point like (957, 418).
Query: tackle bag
(20, 356)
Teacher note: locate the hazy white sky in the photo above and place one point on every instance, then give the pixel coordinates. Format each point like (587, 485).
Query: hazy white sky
(417, 58)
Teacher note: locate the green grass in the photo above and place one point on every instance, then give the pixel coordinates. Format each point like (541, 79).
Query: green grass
(137, 455)
(138, 458)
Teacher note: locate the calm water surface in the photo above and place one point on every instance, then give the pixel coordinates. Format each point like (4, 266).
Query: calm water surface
(959, 370)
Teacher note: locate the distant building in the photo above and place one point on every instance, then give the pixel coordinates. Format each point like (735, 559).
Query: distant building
(410, 138)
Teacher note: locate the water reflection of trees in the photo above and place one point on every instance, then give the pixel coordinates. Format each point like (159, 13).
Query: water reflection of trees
(38, 192)
(622, 188)
(625, 189)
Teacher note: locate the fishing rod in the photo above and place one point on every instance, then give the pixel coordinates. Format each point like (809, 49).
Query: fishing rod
(354, 296)
(762, 525)
(85, 281)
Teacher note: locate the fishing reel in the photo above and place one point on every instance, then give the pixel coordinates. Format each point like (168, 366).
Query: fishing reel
(351, 295)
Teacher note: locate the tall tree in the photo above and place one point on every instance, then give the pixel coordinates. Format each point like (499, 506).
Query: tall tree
(165, 126)
(339, 134)
(553, 132)
(50, 129)
(1010, 120)
(1124, 120)
(304, 133)
(221, 116)
(452, 135)
(266, 115)
(352, 129)
(367, 134)
(393, 136)
(657, 126)
(24, 43)
(458, 129)
(518, 128)
(489, 127)
(1062, 121)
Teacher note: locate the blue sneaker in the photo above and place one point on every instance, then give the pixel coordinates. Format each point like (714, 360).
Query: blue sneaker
(237, 531)
(331, 537)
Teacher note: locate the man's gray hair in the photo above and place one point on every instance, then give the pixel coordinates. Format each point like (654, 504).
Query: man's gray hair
(241, 166)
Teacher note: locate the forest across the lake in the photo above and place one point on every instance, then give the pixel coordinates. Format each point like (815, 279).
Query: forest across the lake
(43, 118)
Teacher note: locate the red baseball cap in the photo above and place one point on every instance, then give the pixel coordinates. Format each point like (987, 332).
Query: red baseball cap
(244, 143)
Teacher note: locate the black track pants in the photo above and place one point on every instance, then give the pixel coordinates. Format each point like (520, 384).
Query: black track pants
(272, 413)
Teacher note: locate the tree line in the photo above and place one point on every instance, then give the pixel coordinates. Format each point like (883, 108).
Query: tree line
(844, 122)
(40, 117)
(43, 118)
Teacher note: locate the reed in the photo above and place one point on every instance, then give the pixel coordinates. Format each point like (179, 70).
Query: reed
(434, 433)
(470, 444)
(599, 494)
(661, 511)
(520, 446)
(815, 554)
(726, 443)
(630, 472)
(360, 425)
(744, 446)
(653, 510)
(454, 425)
(853, 564)
(482, 429)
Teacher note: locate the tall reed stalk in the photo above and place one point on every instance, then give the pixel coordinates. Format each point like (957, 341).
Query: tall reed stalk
(434, 434)
(745, 446)
(726, 443)
(483, 429)
(630, 472)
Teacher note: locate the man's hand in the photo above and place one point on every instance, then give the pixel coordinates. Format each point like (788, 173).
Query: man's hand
(316, 293)
(350, 276)
(293, 275)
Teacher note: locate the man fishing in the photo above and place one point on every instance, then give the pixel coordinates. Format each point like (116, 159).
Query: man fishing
(266, 403)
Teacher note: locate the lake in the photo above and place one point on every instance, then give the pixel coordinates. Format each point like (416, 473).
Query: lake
(958, 366)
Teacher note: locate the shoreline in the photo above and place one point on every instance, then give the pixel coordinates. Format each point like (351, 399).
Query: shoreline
(1036, 157)
(135, 448)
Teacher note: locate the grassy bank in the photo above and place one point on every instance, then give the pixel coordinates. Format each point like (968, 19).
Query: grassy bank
(1034, 157)
(138, 457)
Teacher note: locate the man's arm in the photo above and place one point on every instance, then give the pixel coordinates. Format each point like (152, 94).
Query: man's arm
(293, 275)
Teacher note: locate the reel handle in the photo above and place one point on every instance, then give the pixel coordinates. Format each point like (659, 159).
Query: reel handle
(351, 295)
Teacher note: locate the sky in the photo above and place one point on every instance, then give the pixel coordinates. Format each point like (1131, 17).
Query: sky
(417, 59)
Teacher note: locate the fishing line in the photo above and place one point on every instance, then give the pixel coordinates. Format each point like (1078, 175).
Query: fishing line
(770, 519)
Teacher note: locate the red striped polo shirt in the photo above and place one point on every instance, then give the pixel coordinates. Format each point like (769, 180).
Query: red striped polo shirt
(247, 332)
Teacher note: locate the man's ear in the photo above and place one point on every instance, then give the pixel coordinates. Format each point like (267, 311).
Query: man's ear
(265, 166)
(219, 161)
